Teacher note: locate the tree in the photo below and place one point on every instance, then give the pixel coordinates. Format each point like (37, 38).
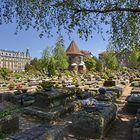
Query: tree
(34, 63)
(47, 61)
(60, 56)
(139, 60)
(110, 61)
(99, 66)
(85, 16)
(4, 72)
(134, 59)
(33, 67)
(90, 63)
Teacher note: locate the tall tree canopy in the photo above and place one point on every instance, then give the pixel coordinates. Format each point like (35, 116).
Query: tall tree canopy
(84, 16)
(60, 56)
(134, 58)
(54, 58)
(110, 61)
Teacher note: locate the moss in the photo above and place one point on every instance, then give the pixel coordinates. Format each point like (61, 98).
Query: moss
(9, 111)
(2, 136)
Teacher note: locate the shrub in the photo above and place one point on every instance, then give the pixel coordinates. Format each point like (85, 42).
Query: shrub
(11, 86)
(67, 73)
(46, 85)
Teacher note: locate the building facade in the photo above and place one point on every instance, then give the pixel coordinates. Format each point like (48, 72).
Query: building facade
(14, 61)
(76, 56)
(122, 57)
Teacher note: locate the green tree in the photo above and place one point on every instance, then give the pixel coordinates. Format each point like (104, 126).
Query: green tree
(33, 67)
(139, 60)
(99, 66)
(60, 56)
(4, 72)
(28, 67)
(52, 67)
(134, 59)
(83, 16)
(90, 63)
(34, 63)
(110, 61)
(48, 63)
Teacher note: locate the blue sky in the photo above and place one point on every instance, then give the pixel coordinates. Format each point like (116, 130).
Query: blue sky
(30, 39)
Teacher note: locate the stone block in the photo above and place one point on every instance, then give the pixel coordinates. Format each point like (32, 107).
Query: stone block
(109, 83)
(54, 133)
(9, 124)
(93, 125)
(136, 134)
(30, 134)
(53, 98)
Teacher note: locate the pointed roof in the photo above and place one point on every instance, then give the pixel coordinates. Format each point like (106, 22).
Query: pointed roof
(73, 49)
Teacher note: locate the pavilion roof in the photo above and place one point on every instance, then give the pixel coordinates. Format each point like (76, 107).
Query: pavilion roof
(73, 49)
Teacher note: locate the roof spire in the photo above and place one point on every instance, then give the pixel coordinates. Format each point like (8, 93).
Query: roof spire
(73, 49)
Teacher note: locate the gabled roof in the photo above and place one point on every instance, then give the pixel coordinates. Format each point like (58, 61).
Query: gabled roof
(73, 49)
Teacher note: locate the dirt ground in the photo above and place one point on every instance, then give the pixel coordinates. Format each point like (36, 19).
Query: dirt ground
(121, 129)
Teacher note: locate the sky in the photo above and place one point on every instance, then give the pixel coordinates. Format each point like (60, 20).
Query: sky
(30, 39)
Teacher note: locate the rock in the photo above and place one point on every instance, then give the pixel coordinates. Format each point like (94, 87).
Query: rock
(109, 83)
(106, 97)
(53, 113)
(9, 124)
(50, 105)
(116, 89)
(136, 127)
(1, 98)
(53, 98)
(94, 124)
(54, 133)
(133, 103)
(30, 134)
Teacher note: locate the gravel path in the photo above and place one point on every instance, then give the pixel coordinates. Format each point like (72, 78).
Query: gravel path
(122, 127)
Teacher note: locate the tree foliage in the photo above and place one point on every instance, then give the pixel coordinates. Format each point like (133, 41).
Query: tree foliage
(90, 63)
(110, 61)
(60, 56)
(84, 16)
(4, 72)
(134, 58)
(46, 64)
(99, 66)
(34, 66)
(53, 59)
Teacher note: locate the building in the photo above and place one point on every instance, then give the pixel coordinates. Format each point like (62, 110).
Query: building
(14, 61)
(75, 57)
(86, 53)
(122, 56)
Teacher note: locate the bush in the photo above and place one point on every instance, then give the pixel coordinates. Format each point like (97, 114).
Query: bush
(104, 76)
(67, 73)
(11, 86)
(46, 85)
